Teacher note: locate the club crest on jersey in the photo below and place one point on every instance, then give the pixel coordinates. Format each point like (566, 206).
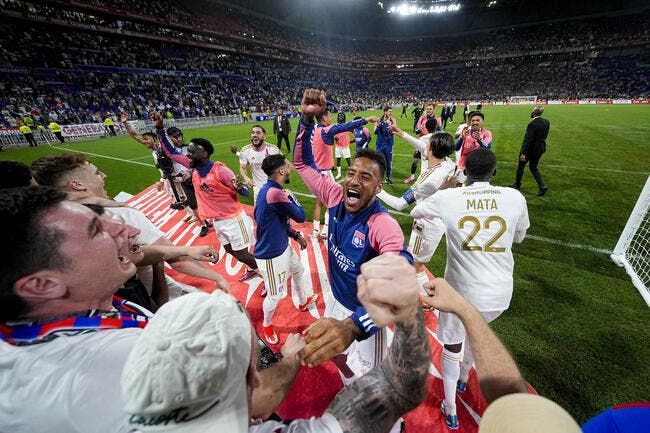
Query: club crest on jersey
(359, 239)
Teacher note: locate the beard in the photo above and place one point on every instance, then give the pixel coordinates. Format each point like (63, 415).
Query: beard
(194, 163)
(286, 179)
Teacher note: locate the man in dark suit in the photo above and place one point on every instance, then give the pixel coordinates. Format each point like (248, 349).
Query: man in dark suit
(533, 148)
(282, 128)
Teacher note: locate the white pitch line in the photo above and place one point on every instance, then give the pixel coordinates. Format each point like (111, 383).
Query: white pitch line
(568, 244)
(568, 167)
(128, 161)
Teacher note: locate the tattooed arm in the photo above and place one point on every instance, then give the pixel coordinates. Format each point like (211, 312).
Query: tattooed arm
(388, 290)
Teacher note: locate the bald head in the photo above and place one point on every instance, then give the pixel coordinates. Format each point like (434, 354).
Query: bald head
(537, 111)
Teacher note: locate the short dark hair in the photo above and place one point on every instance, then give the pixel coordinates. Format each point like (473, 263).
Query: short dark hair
(481, 164)
(441, 144)
(387, 107)
(151, 134)
(259, 126)
(14, 174)
(379, 158)
(475, 113)
(49, 170)
(340, 118)
(320, 116)
(205, 144)
(272, 163)
(431, 124)
(27, 245)
(173, 131)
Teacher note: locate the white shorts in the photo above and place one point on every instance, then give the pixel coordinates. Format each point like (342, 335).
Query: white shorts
(276, 271)
(451, 330)
(425, 237)
(342, 152)
(362, 355)
(236, 231)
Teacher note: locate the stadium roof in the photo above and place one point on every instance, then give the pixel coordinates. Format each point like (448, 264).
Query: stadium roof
(370, 19)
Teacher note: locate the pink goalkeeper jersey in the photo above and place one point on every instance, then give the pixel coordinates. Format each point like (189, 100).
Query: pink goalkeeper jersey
(215, 195)
(343, 139)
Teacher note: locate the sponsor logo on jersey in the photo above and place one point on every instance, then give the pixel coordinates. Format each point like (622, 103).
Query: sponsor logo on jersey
(359, 239)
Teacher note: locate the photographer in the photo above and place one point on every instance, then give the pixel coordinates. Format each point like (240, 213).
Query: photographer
(174, 177)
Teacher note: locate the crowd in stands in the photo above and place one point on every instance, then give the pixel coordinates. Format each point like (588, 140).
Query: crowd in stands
(54, 69)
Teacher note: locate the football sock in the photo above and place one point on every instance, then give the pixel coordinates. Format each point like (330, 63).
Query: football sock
(450, 373)
(468, 361)
(316, 224)
(269, 305)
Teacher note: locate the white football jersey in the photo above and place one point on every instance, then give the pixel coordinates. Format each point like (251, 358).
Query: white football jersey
(254, 157)
(481, 223)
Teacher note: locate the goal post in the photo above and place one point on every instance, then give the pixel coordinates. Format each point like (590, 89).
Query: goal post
(633, 248)
(523, 99)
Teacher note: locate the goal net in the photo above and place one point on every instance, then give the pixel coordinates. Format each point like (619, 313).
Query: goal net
(633, 248)
(530, 99)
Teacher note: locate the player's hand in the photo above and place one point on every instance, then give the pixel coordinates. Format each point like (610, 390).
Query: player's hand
(442, 296)
(249, 182)
(233, 149)
(396, 130)
(124, 117)
(157, 120)
(187, 175)
(203, 252)
(223, 285)
(372, 119)
(522, 157)
(387, 287)
(313, 102)
(476, 135)
(159, 186)
(292, 346)
(450, 182)
(325, 338)
(302, 242)
(237, 182)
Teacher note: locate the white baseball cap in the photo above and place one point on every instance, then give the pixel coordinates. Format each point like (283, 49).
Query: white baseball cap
(187, 371)
(526, 413)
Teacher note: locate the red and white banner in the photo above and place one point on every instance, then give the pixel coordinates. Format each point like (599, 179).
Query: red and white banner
(315, 387)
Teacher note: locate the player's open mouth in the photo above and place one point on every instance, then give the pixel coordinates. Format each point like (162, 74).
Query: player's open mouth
(352, 196)
(124, 260)
(135, 249)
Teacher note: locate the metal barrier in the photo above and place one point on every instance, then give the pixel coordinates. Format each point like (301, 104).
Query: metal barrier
(12, 137)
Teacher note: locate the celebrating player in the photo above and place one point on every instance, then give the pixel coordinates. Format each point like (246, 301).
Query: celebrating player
(276, 259)
(482, 221)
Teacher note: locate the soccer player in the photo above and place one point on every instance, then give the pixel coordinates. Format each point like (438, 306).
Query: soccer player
(342, 148)
(481, 223)
(385, 140)
(421, 129)
(276, 259)
(172, 178)
(472, 138)
(362, 137)
(253, 154)
(426, 232)
(324, 135)
(216, 193)
(361, 228)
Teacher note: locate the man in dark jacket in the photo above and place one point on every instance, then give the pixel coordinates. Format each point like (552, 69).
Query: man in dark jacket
(282, 128)
(533, 148)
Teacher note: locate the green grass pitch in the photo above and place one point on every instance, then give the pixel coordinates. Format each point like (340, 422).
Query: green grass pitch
(577, 327)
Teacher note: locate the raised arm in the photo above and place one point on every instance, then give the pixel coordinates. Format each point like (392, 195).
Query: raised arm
(129, 129)
(388, 289)
(167, 146)
(497, 372)
(323, 187)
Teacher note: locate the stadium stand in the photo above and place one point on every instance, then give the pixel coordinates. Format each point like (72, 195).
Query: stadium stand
(82, 59)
